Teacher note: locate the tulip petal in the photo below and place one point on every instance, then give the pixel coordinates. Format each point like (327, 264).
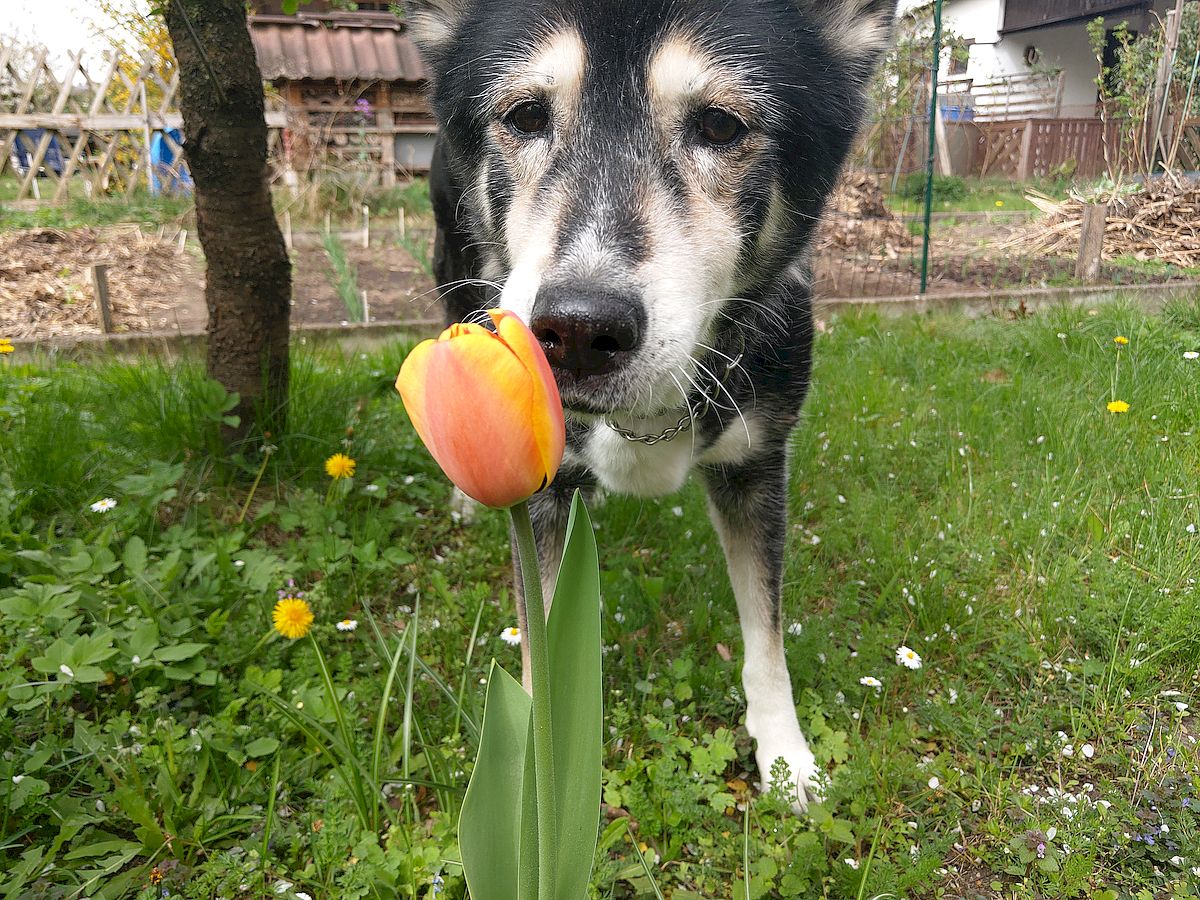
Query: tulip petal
(412, 381)
(547, 412)
(470, 400)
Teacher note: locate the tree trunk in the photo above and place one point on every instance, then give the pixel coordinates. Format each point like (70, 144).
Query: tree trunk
(249, 279)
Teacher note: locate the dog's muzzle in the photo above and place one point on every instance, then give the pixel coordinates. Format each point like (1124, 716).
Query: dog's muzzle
(586, 332)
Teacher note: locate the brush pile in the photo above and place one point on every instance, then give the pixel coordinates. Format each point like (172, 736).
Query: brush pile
(857, 218)
(45, 281)
(1159, 222)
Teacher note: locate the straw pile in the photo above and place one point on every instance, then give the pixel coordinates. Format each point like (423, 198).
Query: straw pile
(1160, 222)
(857, 218)
(45, 283)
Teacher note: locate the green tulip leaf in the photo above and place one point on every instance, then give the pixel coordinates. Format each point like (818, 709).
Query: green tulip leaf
(493, 815)
(528, 851)
(576, 704)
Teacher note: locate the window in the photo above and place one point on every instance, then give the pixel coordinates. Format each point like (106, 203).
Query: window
(960, 56)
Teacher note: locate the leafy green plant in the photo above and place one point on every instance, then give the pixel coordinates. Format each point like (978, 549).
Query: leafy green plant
(538, 772)
(343, 276)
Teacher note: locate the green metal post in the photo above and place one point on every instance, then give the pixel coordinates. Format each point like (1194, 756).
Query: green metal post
(933, 108)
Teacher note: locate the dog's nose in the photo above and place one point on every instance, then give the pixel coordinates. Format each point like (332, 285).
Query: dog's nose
(586, 331)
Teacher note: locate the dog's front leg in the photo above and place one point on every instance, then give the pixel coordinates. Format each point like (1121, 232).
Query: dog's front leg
(748, 504)
(549, 510)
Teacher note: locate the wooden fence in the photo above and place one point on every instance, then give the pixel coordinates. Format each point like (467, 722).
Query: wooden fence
(85, 128)
(1006, 97)
(1039, 148)
(112, 128)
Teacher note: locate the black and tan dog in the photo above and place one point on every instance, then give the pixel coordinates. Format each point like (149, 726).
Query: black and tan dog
(639, 180)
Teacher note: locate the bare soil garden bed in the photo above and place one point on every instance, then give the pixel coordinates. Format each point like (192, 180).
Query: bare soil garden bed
(156, 284)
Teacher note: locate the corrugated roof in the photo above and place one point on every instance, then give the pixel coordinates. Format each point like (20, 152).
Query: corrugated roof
(345, 48)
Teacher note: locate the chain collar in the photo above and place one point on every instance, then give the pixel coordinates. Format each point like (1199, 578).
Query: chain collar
(685, 421)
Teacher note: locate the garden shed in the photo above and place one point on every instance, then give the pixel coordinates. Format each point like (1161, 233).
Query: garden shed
(351, 82)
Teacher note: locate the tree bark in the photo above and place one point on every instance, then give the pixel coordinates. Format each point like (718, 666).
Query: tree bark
(249, 280)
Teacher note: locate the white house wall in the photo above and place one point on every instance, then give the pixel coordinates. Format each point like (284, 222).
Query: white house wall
(993, 55)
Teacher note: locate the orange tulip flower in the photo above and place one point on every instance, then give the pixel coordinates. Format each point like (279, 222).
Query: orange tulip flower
(487, 407)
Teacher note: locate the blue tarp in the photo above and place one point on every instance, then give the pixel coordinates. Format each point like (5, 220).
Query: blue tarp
(25, 148)
(167, 175)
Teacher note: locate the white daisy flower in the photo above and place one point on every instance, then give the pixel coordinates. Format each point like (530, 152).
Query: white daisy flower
(870, 681)
(511, 636)
(347, 625)
(1181, 707)
(103, 506)
(795, 629)
(851, 862)
(907, 657)
(1191, 354)
(935, 783)
(1088, 751)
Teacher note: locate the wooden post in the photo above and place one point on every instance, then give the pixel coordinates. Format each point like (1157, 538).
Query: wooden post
(1161, 101)
(1091, 243)
(366, 229)
(146, 139)
(945, 163)
(287, 229)
(385, 121)
(366, 308)
(100, 296)
(327, 218)
(1025, 164)
(385, 127)
(403, 225)
(182, 241)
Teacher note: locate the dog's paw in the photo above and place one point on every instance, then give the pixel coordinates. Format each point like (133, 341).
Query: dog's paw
(790, 770)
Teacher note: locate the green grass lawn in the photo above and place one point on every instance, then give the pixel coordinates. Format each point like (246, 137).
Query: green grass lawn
(959, 487)
(967, 195)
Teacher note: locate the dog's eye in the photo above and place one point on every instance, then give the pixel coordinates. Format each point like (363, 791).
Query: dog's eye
(720, 128)
(529, 118)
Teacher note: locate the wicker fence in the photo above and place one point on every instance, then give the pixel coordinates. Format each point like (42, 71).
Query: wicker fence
(87, 129)
(82, 129)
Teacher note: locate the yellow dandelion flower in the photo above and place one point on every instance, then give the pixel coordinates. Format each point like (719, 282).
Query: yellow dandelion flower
(340, 466)
(1120, 340)
(6, 345)
(999, 203)
(1118, 406)
(292, 617)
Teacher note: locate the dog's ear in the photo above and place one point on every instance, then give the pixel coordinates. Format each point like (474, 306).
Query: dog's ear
(432, 23)
(862, 28)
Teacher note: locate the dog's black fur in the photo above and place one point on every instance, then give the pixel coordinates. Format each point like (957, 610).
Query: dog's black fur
(806, 82)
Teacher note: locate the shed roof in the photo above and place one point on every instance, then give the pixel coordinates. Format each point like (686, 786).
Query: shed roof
(340, 47)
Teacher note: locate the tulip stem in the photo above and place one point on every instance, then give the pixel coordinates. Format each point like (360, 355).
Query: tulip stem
(539, 670)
